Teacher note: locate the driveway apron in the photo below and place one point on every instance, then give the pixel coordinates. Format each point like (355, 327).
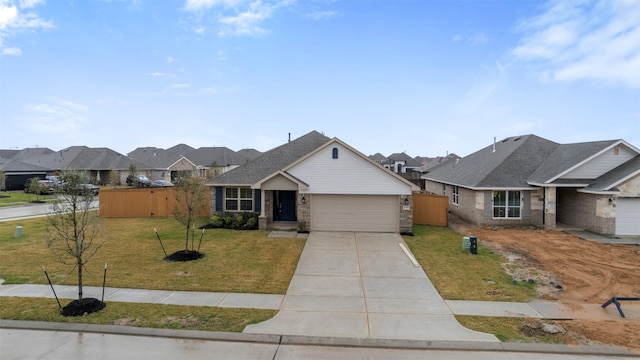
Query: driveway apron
(362, 285)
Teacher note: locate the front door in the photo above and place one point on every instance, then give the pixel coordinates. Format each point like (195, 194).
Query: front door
(284, 205)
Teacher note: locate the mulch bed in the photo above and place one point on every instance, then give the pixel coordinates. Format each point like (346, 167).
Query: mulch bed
(86, 306)
(185, 255)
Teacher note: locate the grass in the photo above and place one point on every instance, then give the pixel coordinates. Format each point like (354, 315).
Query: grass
(17, 198)
(140, 315)
(235, 261)
(507, 329)
(459, 275)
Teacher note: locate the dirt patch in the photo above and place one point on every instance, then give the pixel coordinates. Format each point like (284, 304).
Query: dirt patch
(571, 271)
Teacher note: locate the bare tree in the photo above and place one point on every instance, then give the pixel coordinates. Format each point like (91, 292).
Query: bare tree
(191, 198)
(74, 234)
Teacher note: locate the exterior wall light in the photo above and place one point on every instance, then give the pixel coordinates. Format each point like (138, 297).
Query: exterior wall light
(406, 201)
(304, 201)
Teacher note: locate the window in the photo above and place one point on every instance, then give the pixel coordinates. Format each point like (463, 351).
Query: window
(454, 196)
(506, 204)
(334, 153)
(238, 199)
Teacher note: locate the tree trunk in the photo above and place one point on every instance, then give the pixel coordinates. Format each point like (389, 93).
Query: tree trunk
(79, 278)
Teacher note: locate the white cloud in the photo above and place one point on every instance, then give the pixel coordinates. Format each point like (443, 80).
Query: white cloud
(473, 40)
(11, 51)
(19, 18)
(235, 17)
(57, 116)
(584, 40)
(196, 5)
(170, 60)
(319, 15)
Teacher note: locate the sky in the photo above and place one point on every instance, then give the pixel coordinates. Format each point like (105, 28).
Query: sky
(428, 78)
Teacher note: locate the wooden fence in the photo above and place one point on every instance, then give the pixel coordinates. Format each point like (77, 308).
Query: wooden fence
(429, 209)
(141, 202)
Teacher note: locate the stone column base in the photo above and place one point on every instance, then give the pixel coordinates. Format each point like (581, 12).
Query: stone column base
(262, 223)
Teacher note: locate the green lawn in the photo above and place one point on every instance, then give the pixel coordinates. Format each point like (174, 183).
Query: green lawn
(18, 198)
(234, 261)
(459, 275)
(141, 315)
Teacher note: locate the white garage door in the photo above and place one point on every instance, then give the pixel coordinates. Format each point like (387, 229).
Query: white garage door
(366, 213)
(627, 216)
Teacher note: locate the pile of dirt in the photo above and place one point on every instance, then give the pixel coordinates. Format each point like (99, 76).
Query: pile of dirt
(185, 255)
(572, 271)
(80, 308)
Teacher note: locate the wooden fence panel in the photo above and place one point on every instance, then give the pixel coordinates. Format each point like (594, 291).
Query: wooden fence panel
(141, 202)
(429, 209)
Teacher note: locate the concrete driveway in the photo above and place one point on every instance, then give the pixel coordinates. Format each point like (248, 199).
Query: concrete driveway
(362, 285)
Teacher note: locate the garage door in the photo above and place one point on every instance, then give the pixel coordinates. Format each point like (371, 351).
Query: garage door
(366, 213)
(627, 216)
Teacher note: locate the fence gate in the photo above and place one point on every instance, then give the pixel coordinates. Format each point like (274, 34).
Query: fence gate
(429, 209)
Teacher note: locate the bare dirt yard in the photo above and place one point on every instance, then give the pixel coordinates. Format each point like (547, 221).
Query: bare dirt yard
(577, 273)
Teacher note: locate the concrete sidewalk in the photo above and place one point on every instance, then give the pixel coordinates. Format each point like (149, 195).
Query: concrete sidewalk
(536, 309)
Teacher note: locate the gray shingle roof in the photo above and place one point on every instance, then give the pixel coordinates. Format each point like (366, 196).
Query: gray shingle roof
(271, 161)
(564, 157)
(83, 158)
(180, 149)
(220, 156)
(408, 160)
(509, 166)
(156, 158)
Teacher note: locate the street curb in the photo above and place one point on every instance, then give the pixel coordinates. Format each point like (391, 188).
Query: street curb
(601, 350)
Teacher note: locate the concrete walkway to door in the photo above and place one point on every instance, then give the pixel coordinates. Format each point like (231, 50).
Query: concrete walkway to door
(362, 285)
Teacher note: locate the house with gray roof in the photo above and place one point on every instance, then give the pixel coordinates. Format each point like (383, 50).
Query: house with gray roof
(162, 164)
(213, 161)
(320, 184)
(98, 163)
(530, 181)
(401, 163)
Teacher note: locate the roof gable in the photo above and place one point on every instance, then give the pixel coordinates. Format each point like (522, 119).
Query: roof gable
(568, 157)
(351, 172)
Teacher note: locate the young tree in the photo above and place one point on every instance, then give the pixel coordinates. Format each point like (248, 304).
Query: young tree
(3, 185)
(132, 169)
(33, 187)
(191, 198)
(74, 233)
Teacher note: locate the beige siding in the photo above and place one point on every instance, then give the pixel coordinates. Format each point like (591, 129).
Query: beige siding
(605, 162)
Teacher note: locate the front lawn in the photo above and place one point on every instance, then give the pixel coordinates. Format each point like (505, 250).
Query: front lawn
(234, 261)
(203, 318)
(20, 198)
(459, 275)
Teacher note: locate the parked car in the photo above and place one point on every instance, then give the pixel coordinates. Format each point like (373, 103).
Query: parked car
(44, 187)
(138, 180)
(161, 183)
(88, 188)
(57, 183)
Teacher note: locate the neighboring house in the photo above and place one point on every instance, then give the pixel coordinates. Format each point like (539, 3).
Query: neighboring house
(163, 164)
(180, 149)
(530, 181)
(431, 164)
(321, 183)
(213, 161)
(379, 158)
(18, 173)
(401, 163)
(97, 163)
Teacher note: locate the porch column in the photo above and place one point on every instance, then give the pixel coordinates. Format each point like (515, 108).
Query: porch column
(262, 200)
(262, 219)
(550, 207)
